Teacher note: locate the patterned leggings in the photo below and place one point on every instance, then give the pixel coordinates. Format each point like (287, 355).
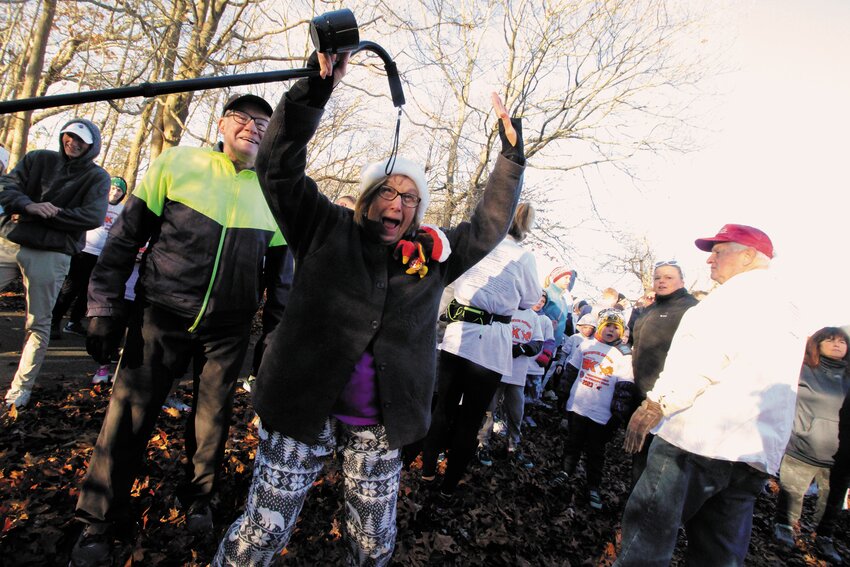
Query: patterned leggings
(284, 470)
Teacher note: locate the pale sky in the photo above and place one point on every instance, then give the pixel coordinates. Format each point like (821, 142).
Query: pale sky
(775, 156)
(772, 154)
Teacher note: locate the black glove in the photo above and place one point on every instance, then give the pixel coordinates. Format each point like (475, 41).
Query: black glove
(522, 349)
(103, 338)
(514, 153)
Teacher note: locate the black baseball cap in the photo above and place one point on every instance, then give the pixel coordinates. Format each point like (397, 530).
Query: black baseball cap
(237, 99)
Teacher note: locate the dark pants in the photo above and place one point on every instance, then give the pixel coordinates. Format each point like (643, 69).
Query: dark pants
(839, 482)
(639, 459)
(75, 288)
(585, 435)
(714, 500)
(157, 351)
(454, 426)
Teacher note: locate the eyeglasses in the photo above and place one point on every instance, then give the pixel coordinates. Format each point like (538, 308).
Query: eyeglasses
(243, 118)
(666, 263)
(408, 200)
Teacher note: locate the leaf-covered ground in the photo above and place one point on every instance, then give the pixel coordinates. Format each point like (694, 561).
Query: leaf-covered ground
(507, 515)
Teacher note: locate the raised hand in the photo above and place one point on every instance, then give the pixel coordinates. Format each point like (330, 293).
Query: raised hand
(336, 63)
(502, 113)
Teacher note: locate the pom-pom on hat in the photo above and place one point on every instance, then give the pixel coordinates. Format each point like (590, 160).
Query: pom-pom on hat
(377, 171)
(562, 272)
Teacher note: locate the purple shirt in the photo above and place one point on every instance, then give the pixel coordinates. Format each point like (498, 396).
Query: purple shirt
(358, 402)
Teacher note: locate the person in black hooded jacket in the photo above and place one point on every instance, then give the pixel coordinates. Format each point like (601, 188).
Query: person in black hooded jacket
(47, 203)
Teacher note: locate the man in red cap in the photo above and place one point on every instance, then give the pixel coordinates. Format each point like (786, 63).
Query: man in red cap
(721, 411)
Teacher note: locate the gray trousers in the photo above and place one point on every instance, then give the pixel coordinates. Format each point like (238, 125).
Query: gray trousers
(795, 477)
(43, 273)
(513, 407)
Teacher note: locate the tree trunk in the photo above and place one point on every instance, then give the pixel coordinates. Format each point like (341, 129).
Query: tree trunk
(32, 78)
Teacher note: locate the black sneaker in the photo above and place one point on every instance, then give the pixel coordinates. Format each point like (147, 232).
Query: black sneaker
(93, 547)
(484, 456)
(518, 458)
(595, 499)
(75, 328)
(199, 518)
(561, 479)
(783, 534)
(827, 550)
(444, 503)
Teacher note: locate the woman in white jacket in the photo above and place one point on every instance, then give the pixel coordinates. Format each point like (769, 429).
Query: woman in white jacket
(477, 349)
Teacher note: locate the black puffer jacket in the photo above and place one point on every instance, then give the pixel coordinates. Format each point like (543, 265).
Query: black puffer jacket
(77, 186)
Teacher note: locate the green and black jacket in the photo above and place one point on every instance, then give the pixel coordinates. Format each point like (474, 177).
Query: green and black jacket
(208, 228)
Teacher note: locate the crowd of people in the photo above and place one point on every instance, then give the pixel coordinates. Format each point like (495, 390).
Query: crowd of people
(439, 336)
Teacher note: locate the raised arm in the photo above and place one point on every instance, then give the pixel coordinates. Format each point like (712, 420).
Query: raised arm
(494, 212)
(293, 198)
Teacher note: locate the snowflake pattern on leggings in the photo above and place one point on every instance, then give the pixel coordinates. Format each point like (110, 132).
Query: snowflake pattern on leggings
(284, 470)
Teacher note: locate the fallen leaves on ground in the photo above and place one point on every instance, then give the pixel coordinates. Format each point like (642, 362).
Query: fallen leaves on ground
(506, 515)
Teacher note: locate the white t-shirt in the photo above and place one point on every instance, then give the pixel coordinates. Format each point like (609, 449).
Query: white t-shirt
(573, 342)
(548, 334)
(96, 237)
(504, 280)
(600, 367)
(525, 327)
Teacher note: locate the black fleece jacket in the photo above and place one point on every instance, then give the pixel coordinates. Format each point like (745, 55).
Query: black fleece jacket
(77, 186)
(652, 335)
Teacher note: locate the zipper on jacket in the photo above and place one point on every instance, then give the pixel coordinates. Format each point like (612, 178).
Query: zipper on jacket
(228, 222)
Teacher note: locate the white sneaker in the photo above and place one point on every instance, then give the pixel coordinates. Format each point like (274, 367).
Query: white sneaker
(102, 375)
(173, 402)
(20, 398)
(248, 383)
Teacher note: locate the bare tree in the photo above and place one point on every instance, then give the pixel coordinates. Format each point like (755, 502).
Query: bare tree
(32, 78)
(591, 80)
(636, 259)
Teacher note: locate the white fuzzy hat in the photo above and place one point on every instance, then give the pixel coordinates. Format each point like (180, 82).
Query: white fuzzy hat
(374, 172)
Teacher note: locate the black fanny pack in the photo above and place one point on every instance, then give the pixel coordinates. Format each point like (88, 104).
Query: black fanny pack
(458, 312)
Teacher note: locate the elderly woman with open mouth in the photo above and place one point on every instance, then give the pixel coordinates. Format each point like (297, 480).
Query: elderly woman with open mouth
(362, 385)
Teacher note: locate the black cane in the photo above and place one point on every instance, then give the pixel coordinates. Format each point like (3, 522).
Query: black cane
(331, 32)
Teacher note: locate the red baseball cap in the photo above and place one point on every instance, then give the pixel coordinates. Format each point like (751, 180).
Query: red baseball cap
(740, 233)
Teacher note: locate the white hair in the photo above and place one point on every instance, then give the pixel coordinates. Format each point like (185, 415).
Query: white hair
(761, 260)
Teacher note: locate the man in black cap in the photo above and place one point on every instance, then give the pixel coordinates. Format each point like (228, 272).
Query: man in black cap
(200, 279)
